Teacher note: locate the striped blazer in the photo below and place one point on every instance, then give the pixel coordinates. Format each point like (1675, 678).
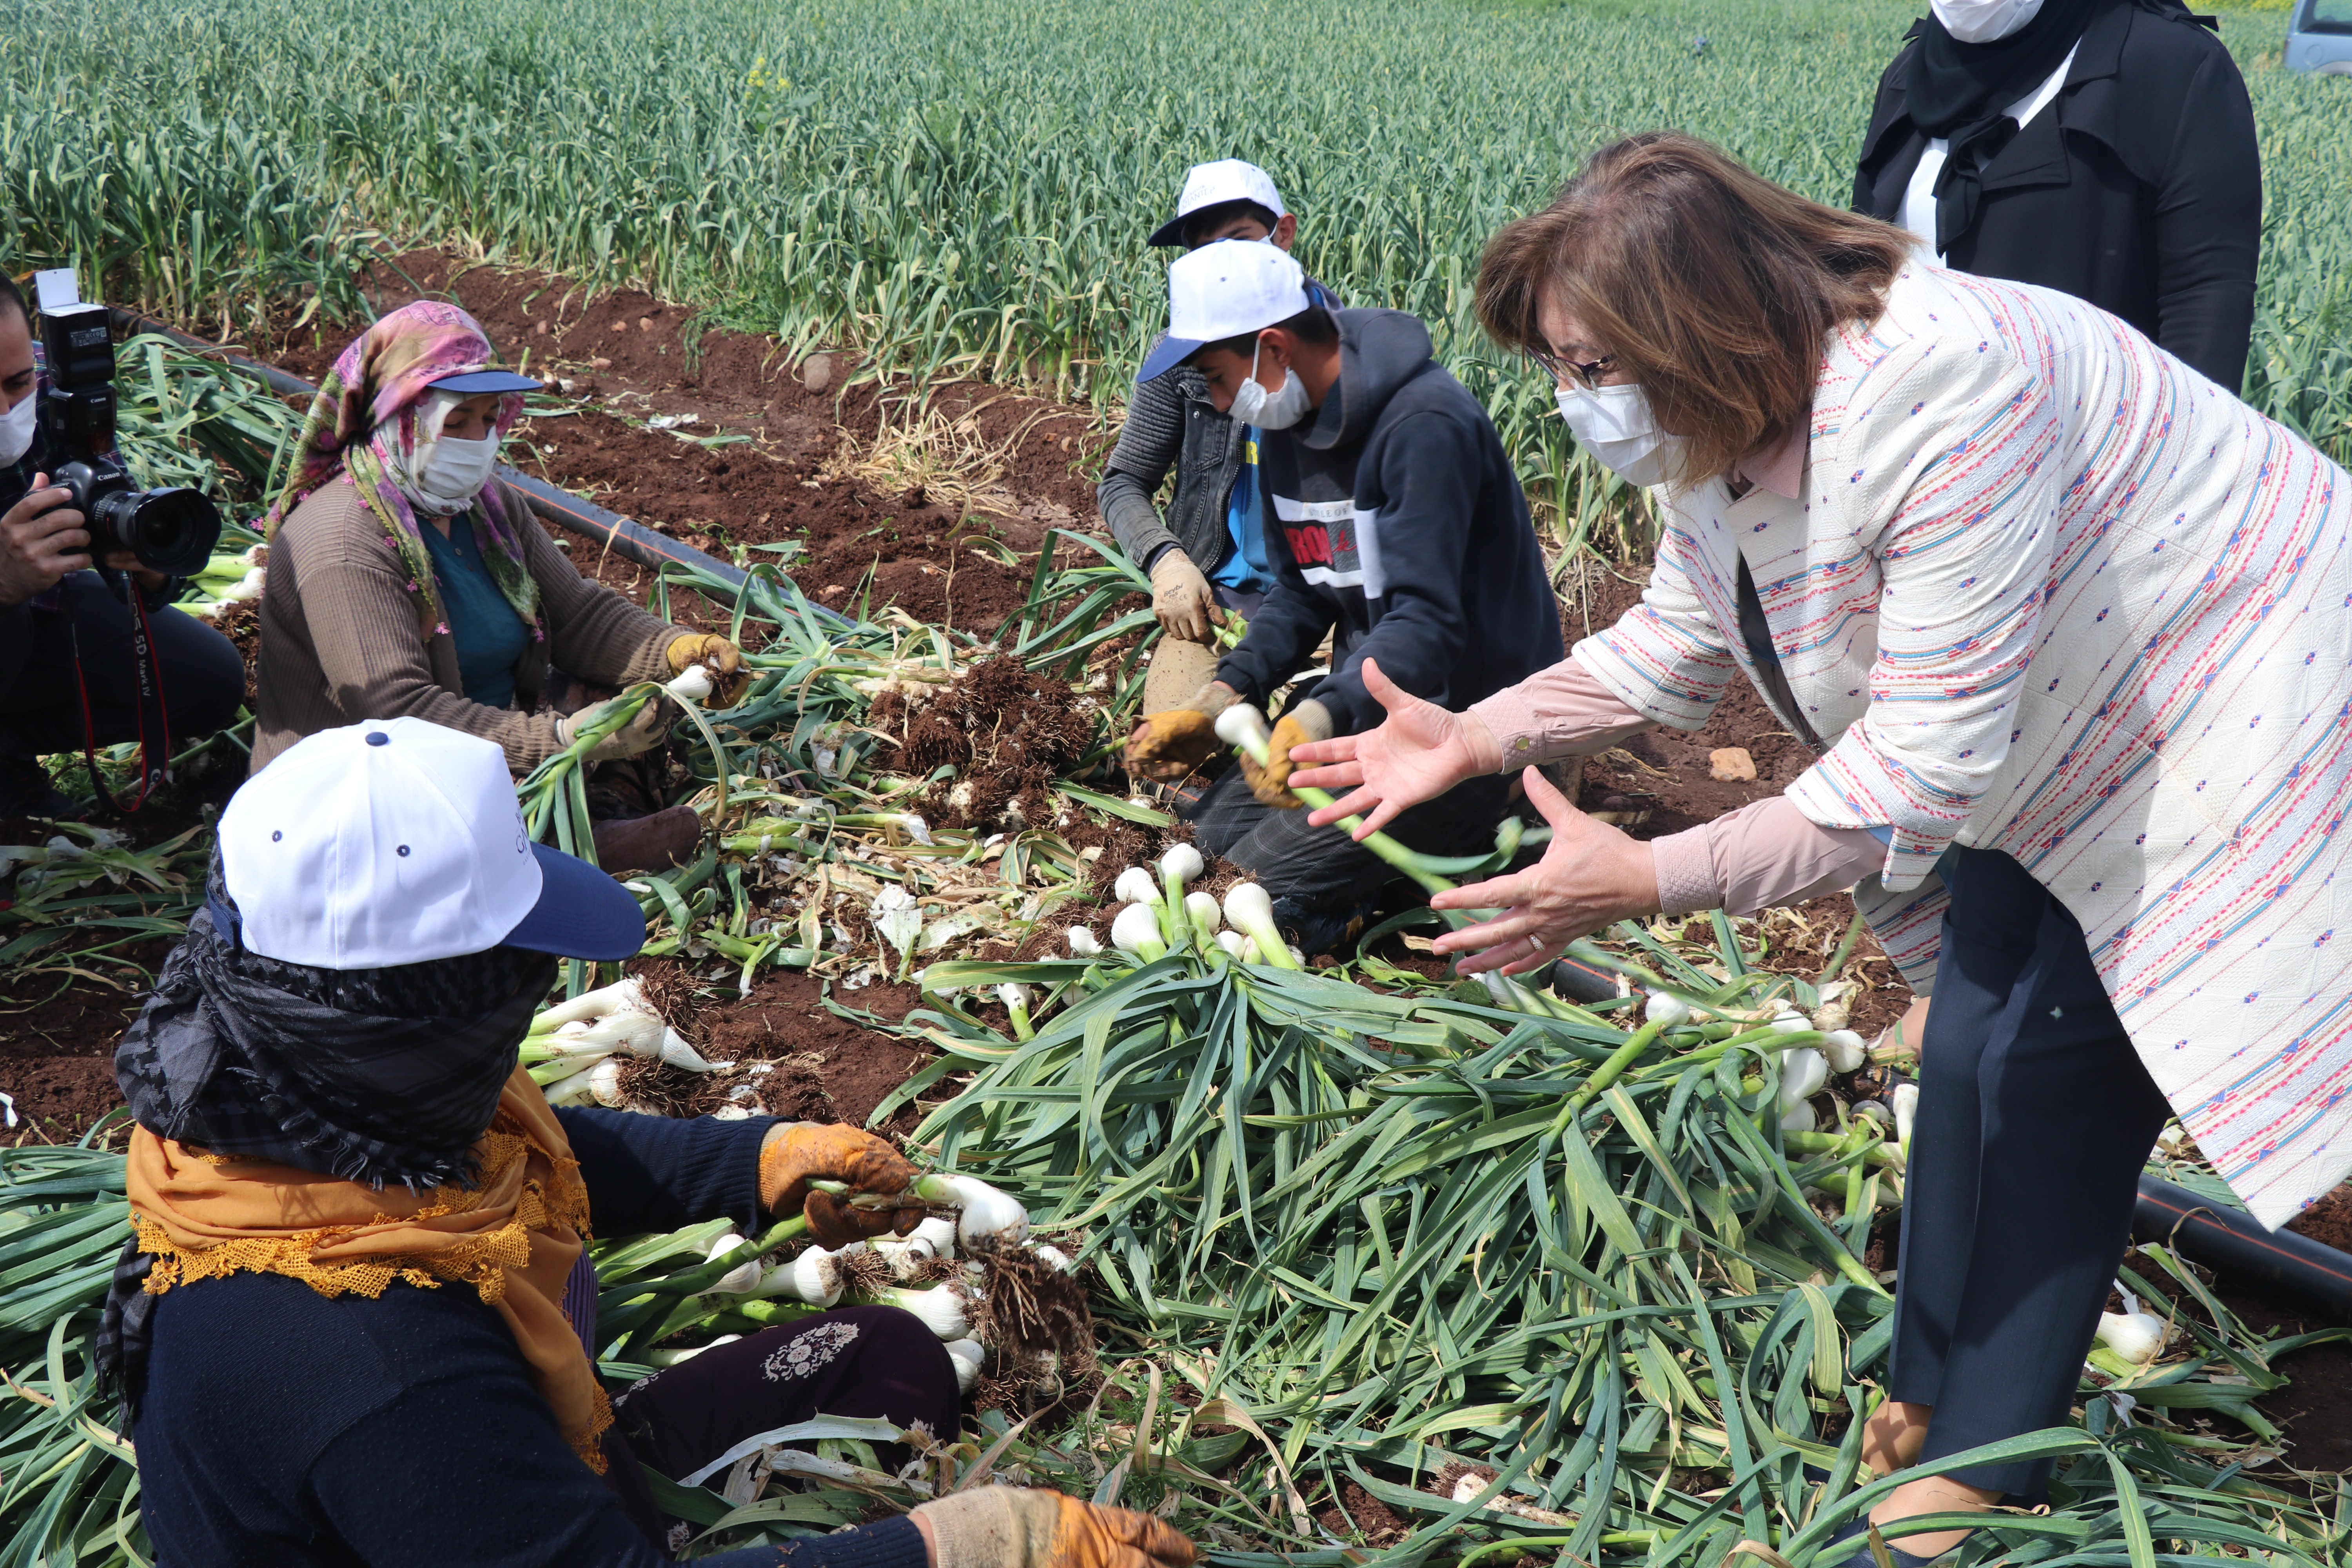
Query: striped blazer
(2047, 590)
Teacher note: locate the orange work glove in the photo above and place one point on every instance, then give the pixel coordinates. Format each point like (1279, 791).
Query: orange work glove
(1168, 745)
(722, 659)
(794, 1153)
(1301, 722)
(1020, 1526)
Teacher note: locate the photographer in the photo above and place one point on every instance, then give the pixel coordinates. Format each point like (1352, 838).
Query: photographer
(53, 604)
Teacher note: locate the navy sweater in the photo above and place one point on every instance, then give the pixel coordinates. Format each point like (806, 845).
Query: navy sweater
(1400, 527)
(279, 1427)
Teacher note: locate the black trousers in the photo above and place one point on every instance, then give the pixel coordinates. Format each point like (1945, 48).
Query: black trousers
(852, 1360)
(1318, 877)
(2036, 1117)
(40, 707)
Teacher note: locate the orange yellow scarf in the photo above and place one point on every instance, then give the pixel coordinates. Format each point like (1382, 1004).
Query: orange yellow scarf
(514, 1239)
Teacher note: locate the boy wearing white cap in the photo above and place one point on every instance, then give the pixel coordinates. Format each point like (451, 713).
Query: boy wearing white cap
(1208, 548)
(1398, 528)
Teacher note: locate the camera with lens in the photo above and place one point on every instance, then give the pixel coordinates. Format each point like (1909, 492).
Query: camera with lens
(170, 530)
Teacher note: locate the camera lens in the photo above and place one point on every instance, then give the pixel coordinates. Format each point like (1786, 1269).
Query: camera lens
(171, 531)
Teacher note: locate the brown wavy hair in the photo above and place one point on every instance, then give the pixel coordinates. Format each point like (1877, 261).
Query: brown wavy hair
(1711, 284)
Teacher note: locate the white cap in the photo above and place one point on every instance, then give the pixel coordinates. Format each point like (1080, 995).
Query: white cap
(398, 841)
(1222, 291)
(1214, 184)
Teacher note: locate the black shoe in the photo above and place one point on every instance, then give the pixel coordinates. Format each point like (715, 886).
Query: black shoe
(1858, 1529)
(26, 791)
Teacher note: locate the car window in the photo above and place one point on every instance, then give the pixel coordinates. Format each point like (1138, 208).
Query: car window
(2326, 17)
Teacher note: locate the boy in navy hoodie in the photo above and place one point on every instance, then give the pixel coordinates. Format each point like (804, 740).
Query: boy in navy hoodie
(1400, 531)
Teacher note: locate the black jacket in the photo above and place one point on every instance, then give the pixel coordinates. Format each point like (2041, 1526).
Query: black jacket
(2139, 189)
(1398, 525)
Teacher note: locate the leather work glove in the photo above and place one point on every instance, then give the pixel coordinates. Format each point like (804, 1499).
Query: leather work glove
(1022, 1527)
(649, 728)
(794, 1153)
(1168, 745)
(722, 659)
(1299, 723)
(1180, 596)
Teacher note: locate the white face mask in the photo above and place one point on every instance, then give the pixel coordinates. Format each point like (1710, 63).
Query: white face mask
(1615, 425)
(17, 426)
(456, 470)
(1276, 410)
(1983, 21)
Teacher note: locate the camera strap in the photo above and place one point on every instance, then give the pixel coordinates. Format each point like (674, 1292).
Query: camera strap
(155, 719)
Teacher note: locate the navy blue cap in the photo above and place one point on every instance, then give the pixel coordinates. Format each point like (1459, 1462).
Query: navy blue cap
(1171, 352)
(474, 383)
(582, 912)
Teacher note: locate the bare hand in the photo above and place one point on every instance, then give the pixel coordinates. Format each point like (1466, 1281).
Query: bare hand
(125, 561)
(1417, 753)
(1591, 874)
(42, 539)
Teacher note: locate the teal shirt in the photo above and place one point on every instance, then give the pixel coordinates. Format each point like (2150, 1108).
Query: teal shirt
(488, 634)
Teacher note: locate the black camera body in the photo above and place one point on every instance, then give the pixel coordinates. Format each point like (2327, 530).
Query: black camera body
(170, 530)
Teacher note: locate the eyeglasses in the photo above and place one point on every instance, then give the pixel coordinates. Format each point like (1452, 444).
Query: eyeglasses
(1589, 372)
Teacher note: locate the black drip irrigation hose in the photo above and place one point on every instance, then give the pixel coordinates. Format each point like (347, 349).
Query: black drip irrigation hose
(632, 542)
(2233, 1243)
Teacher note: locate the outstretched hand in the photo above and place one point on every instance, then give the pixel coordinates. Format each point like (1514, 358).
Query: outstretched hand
(1591, 874)
(1417, 753)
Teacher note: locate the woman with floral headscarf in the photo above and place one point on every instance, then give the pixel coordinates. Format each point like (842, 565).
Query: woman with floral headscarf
(405, 579)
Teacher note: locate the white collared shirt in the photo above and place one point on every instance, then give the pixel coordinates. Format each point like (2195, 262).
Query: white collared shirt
(1918, 212)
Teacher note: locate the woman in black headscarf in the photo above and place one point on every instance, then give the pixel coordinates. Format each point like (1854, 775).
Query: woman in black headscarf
(2103, 148)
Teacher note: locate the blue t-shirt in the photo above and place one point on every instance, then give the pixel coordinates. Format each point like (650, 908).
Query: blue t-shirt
(1247, 568)
(488, 634)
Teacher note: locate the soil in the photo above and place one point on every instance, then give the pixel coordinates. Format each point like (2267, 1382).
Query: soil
(830, 1069)
(1003, 733)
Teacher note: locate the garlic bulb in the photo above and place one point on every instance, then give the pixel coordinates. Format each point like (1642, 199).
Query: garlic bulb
(1083, 944)
(1137, 931)
(816, 1276)
(692, 683)
(990, 1218)
(1905, 1099)
(1181, 864)
(2134, 1334)
(1135, 886)
(1846, 1050)
(1667, 1012)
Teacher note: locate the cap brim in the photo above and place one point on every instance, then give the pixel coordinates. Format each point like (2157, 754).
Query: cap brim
(1171, 352)
(475, 382)
(582, 912)
(1169, 233)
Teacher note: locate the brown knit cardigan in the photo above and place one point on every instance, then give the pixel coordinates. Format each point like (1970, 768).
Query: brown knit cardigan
(340, 641)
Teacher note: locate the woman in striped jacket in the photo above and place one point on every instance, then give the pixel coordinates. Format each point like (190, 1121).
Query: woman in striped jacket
(2069, 629)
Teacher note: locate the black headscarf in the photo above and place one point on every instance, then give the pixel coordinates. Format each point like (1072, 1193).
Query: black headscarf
(372, 1075)
(1961, 93)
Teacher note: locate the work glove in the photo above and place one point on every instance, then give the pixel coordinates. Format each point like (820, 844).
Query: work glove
(1020, 1527)
(649, 728)
(794, 1154)
(1181, 597)
(1170, 744)
(1299, 723)
(722, 659)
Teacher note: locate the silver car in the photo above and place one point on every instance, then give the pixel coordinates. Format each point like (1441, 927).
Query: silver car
(2320, 38)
